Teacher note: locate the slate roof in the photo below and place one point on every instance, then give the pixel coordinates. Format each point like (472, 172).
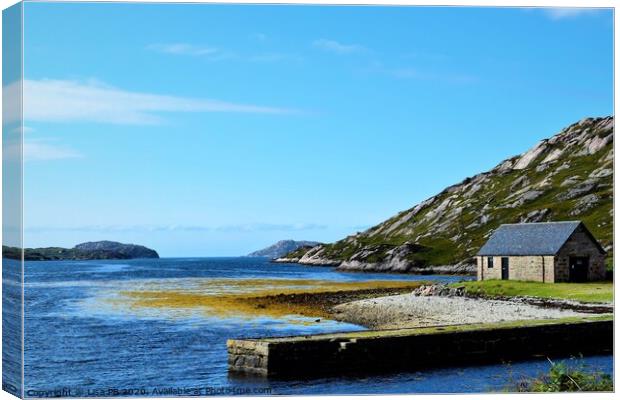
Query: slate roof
(530, 239)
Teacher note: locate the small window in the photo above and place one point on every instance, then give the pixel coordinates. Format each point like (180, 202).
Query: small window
(489, 262)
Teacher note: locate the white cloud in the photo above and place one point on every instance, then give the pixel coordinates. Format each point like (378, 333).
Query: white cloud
(71, 101)
(274, 57)
(261, 227)
(22, 129)
(186, 49)
(426, 55)
(338, 48)
(269, 227)
(413, 73)
(214, 54)
(11, 107)
(39, 150)
(557, 13)
(183, 49)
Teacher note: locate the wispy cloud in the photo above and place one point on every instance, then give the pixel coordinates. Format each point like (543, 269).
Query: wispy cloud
(11, 107)
(36, 149)
(421, 74)
(215, 54)
(91, 101)
(186, 49)
(274, 57)
(337, 47)
(426, 56)
(269, 227)
(557, 13)
(39, 150)
(183, 49)
(23, 129)
(414, 73)
(260, 227)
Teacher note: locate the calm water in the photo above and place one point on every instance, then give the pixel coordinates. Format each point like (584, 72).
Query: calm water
(81, 337)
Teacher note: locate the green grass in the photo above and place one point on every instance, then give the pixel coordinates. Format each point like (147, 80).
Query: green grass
(586, 292)
(565, 378)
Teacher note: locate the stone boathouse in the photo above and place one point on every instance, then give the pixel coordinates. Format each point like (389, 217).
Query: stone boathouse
(563, 251)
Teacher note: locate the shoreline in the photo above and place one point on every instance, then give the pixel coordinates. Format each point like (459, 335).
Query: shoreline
(453, 270)
(321, 304)
(369, 304)
(414, 311)
(399, 307)
(282, 299)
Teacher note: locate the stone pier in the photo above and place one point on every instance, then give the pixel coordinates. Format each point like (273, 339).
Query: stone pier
(418, 348)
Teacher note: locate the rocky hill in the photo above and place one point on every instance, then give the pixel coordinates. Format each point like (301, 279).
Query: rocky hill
(281, 248)
(566, 177)
(103, 250)
(295, 255)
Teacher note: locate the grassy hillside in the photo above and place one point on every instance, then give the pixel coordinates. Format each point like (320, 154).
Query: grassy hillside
(566, 177)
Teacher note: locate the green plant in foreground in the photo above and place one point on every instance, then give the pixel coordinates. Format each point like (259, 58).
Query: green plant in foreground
(564, 378)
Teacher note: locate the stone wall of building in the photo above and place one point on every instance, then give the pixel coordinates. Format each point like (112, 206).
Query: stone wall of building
(531, 268)
(520, 268)
(580, 244)
(486, 273)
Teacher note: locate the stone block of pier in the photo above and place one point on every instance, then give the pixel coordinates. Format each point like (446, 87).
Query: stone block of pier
(418, 348)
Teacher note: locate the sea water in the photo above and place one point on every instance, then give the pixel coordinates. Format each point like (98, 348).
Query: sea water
(81, 340)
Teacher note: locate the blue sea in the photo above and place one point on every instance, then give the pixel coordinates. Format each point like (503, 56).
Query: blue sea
(82, 338)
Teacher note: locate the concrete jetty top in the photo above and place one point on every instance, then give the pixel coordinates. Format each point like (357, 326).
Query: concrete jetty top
(418, 348)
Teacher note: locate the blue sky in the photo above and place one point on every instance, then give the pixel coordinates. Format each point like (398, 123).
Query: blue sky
(211, 130)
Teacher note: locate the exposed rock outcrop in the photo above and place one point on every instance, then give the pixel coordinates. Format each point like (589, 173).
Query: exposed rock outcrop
(439, 290)
(282, 248)
(568, 176)
(316, 256)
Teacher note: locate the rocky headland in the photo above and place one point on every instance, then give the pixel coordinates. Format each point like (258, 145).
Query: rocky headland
(566, 177)
(282, 248)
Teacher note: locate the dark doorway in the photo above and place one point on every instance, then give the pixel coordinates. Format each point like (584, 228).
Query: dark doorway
(505, 267)
(578, 269)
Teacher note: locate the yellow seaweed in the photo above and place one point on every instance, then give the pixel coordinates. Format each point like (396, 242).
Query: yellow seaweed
(252, 298)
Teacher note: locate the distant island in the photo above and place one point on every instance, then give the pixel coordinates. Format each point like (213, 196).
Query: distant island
(282, 247)
(102, 250)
